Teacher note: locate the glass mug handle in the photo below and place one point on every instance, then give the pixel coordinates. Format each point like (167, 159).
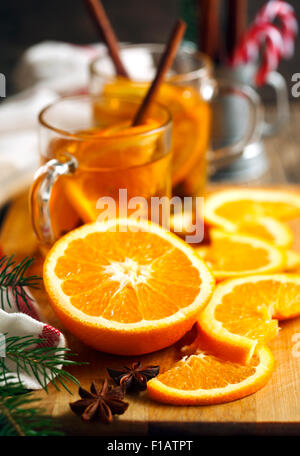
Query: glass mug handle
(277, 82)
(40, 194)
(226, 155)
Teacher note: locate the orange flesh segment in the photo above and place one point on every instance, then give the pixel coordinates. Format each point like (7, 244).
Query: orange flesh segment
(247, 209)
(92, 268)
(279, 299)
(258, 230)
(287, 304)
(206, 371)
(246, 311)
(227, 255)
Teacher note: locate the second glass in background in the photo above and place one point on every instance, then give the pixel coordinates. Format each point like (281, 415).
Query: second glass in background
(190, 93)
(182, 94)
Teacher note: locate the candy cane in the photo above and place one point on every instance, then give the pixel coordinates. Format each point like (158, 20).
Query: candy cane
(278, 42)
(272, 52)
(258, 35)
(289, 27)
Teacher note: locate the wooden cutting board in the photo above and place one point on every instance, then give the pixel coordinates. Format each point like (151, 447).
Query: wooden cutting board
(273, 410)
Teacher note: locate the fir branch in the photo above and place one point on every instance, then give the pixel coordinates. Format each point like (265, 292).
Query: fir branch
(19, 412)
(44, 363)
(13, 277)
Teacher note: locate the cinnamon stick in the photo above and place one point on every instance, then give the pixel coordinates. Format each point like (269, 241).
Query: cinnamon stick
(208, 12)
(162, 69)
(103, 25)
(236, 23)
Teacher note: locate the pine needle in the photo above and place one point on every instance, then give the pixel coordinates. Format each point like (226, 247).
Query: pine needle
(20, 414)
(44, 363)
(13, 278)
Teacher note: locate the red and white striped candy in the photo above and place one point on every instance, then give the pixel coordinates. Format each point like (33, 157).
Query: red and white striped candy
(289, 26)
(261, 34)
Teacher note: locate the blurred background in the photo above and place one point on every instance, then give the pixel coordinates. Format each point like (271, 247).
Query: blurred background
(214, 26)
(24, 23)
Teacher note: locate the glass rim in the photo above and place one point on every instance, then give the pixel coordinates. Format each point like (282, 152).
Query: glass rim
(83, 137)
(204, 71)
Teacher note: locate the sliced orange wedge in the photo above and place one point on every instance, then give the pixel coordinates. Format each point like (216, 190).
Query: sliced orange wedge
(204, 378)
(126, 287)
(284, 294)
(228, 208)
(242, 313)
(235, 255)
(269, 229)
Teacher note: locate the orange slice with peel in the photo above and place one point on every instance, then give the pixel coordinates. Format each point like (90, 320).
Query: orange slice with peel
(292, 258)
(126, 286)
(204, 378)
(236, 255)
(228, 208)
(284, 295)
(242, 313)
(119, 146)
(269, 229)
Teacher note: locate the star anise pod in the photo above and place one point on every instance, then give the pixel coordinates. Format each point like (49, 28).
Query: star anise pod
(100, 403)
(133, 378)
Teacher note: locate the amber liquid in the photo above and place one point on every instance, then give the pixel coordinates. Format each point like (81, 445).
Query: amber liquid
(191, 117)
(122, 159)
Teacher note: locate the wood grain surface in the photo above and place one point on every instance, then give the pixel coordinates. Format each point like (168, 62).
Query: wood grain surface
(273, 410)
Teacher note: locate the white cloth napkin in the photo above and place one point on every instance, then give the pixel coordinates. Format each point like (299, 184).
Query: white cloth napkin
(61, 67)
(19, 139)
(26, 321)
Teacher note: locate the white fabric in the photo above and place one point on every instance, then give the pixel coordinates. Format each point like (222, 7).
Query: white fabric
(58, 66)
(25, 322)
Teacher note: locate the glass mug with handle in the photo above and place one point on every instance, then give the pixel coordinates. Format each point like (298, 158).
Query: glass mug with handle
(253, 162)
(190, 92)
(89, 151)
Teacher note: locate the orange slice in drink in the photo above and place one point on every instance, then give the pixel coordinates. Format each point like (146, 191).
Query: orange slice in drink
(191, 119)
(118, 146)
(191, 136)
(205, 378)
(235, 255)
(126, 287)
(122, 87)
(241, 313)
(228, 208)
(113, 158)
